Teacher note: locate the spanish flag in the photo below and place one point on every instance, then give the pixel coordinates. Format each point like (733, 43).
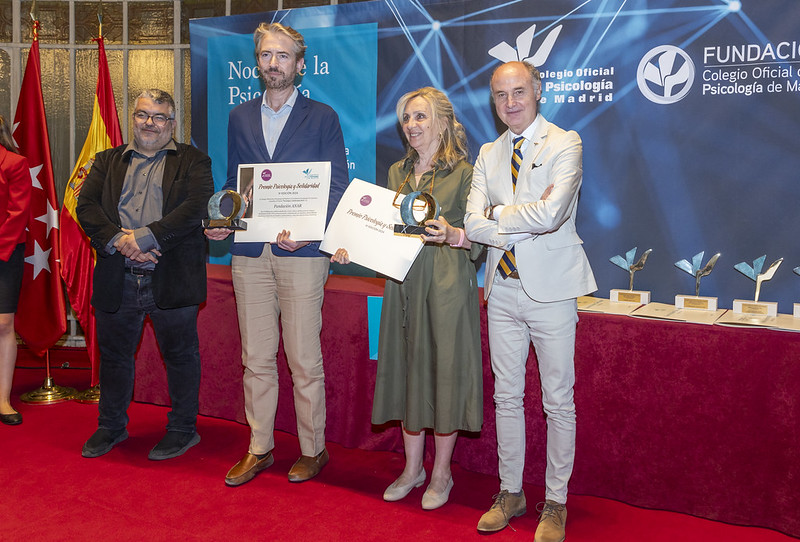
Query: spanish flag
(77, 254)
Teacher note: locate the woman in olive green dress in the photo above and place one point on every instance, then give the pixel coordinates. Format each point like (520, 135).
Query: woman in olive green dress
(429, 353)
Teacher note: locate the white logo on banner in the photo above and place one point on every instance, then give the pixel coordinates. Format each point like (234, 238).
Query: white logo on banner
(665, 74)
(505, 53)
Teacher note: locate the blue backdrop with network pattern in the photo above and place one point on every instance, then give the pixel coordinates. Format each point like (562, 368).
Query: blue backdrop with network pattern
(689, 113)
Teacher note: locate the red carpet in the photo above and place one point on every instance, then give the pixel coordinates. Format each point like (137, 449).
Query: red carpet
(51, 493)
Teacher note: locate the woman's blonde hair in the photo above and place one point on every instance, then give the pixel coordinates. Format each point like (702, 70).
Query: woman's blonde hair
(453, 143)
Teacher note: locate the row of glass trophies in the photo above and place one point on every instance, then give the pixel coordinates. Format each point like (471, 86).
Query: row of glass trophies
(696, 268)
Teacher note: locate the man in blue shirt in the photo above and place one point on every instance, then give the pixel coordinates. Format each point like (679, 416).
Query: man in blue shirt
(282, 282)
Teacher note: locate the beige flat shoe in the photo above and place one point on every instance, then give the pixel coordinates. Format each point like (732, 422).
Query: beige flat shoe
(432, 501)
(395, 492)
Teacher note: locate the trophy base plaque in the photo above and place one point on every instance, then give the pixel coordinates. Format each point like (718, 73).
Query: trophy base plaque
(696, 302)
(630, 296)
(758, 308)
(797, 310)
(405, 229)
(231, 224)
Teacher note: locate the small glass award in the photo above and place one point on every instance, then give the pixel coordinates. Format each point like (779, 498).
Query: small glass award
(218, 219)
(796, 313)
(630, 295)
(756, 307)
(698, 271)
(411, 226)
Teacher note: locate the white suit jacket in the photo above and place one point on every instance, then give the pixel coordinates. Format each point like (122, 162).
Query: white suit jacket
(550, 258)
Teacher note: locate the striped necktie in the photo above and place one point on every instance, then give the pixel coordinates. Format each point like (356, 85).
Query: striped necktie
(508, 263)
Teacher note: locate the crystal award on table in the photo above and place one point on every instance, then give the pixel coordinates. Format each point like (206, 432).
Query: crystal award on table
(627, 264)
(756, 307)
(796, 305)
(698, 271)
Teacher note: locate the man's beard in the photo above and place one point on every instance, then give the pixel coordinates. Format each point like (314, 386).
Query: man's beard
(282, 82)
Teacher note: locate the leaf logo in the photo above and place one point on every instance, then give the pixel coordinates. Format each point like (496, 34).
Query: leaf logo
(506, 53)
(665, 74)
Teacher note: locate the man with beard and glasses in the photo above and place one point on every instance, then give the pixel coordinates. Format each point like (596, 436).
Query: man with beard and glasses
(142, 205)
(279, 285)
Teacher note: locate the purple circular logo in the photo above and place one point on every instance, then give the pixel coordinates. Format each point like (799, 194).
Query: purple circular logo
(366, 200)
(266, 175)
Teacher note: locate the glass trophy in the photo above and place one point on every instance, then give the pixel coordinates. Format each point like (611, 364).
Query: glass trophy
(627, 264)
(756, 307)
(796, 313)
(218, 219)
(698, 271)
(411, 226)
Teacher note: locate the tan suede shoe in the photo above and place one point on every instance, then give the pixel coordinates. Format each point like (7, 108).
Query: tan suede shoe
(247, 468)
(552, 522)
(307, 467)
(506, 506)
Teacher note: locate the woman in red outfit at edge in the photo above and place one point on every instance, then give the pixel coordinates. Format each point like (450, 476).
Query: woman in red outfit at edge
(15, 202)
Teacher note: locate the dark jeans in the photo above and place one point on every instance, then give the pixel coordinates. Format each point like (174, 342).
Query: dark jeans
(118, 335)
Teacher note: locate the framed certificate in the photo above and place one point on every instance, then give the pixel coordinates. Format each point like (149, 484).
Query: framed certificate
(284, 196)
(363, 223)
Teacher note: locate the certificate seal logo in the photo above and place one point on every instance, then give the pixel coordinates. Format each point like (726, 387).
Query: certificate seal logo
(309, 174)
(366, 200)
(266, 175)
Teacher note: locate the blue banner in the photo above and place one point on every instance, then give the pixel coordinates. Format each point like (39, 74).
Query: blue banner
(687, 110)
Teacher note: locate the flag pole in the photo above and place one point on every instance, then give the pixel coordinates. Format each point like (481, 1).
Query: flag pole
(91, 396)
(49, 393)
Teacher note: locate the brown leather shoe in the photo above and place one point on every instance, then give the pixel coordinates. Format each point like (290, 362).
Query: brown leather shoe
(307, 467)
(552, 522)
(246, 469)
(506, 506)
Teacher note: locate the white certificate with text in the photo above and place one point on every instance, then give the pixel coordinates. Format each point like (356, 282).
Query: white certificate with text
(284, 196)
(363, 224)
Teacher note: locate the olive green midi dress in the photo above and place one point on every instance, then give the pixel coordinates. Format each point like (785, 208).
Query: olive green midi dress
(429, 353)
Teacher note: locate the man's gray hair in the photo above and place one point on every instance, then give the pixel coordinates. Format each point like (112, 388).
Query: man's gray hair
(160, 97)
(536, 77)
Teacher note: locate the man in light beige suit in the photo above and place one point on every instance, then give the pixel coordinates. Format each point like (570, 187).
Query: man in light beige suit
(522, 205)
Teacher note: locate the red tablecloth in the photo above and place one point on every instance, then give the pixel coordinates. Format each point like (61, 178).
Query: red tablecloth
(703, 420)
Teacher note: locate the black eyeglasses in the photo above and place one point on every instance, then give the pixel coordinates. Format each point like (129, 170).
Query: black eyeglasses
(158, 119)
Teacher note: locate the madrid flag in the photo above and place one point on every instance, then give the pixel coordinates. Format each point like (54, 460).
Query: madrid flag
(77, 255)
(41, 316)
